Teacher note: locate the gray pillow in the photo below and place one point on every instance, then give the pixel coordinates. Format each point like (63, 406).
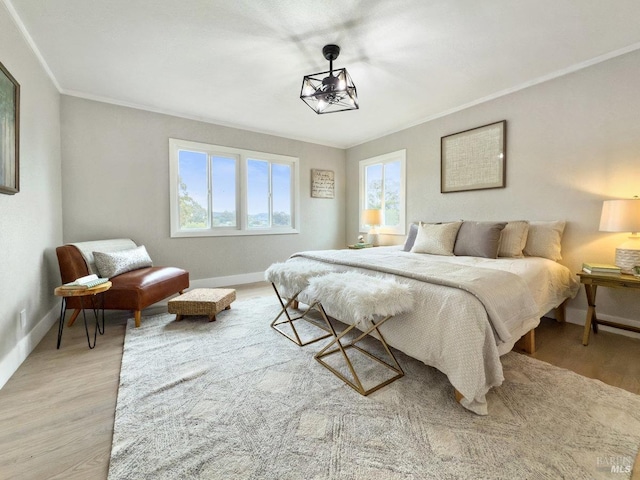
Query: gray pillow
(411, 238)
(110, 264)
(479, 239)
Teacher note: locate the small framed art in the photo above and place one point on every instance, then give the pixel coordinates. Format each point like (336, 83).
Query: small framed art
(9, 133)
(322, 183)
(474, 159)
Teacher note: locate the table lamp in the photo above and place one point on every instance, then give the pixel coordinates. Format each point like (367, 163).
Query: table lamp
(623, 216)
(373, 218)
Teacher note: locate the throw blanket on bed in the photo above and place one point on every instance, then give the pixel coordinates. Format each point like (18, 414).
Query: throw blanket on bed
(505, 296)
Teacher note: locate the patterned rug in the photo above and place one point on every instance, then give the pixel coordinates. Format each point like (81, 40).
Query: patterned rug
(235, 399)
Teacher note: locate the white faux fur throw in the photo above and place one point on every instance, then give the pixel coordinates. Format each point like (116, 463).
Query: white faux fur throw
(357, 297)
(292, 278)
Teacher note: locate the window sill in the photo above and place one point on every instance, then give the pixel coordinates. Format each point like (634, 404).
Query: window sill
(234, 233)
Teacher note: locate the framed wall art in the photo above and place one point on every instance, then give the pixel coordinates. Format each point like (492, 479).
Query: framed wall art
(322, 183)
(9, 133)
(474, 159)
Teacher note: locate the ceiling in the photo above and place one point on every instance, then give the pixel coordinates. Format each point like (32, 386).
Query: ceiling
(240, 62)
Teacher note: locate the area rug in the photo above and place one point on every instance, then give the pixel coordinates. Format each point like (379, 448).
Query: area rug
(235, 399)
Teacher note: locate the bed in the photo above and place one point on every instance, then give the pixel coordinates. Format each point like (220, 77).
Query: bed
(468, 311)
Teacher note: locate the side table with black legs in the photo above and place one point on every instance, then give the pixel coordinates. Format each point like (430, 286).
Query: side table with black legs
(89, 295)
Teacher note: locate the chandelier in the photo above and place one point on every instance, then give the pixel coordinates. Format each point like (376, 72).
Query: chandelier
(331, 91)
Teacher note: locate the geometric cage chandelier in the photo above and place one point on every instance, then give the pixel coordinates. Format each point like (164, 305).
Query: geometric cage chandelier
(332, 91)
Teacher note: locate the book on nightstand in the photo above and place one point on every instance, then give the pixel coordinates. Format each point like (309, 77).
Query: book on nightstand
(599, 268)
(360, 245)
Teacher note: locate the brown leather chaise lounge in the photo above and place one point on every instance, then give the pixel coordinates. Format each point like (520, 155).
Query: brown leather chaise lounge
(134, 290)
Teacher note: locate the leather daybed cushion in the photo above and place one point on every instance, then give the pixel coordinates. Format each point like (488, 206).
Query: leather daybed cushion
(133, 290)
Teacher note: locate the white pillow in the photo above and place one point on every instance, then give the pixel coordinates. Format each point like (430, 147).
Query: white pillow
(110, 264)
(513, 239)
(436, 239)
(544, 240)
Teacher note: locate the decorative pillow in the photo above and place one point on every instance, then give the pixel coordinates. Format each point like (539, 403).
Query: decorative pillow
(411, 238)
(544, 240)
(479, 239)
(110, 264)
(513, 239)
(436, 239)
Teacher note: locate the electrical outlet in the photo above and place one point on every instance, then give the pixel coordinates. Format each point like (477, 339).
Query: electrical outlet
(23, 318)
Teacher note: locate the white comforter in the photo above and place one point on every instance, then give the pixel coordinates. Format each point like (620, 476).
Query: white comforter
(449, 327)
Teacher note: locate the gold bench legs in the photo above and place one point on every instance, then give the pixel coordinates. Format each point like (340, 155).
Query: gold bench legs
(288, 320)
(356, 384)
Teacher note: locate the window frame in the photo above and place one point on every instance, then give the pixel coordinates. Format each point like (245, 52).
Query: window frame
(242, 156)
(392, 157)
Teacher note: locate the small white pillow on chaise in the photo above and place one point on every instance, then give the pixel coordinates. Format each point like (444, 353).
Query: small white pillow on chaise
(111, 264)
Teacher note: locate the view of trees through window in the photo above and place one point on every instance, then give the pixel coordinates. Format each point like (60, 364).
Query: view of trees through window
(202, 176)
(382, 183)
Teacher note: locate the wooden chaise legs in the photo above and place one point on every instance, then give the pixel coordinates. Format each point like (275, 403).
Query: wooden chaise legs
(74, 315)
(137, 314)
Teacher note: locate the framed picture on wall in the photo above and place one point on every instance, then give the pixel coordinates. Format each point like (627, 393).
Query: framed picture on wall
(474, 159)
(322, 183)
(9, 132)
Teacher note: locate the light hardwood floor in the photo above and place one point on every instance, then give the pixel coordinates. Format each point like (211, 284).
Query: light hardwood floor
(57, 411)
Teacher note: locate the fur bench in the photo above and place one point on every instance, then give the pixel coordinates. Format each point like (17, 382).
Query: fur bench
(288, 281)
(364, 302)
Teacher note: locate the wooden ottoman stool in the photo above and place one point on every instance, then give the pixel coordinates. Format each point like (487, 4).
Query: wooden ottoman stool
(202, 301)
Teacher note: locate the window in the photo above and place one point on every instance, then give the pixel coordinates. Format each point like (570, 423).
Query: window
(219, 190)
(382, 186)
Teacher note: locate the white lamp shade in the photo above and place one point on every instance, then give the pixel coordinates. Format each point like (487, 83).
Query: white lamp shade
(623, 216)
(620, 216)
(372, 217)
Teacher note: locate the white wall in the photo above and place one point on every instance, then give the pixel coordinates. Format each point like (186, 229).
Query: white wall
(571, 143)
(31, 220)
(116, 184)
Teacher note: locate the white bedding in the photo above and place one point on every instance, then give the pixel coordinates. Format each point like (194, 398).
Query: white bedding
(449, 328)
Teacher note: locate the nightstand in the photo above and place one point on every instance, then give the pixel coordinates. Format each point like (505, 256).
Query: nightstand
(591, 283)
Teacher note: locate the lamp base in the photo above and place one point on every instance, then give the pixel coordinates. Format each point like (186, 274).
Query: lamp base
(628, 254)
(372, 237)
(626, 259)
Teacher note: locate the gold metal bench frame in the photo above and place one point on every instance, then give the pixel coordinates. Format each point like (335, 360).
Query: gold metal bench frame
(357, 384)
(293, 301)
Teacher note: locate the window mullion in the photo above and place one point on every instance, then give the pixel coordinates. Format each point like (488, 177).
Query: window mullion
(383, 195)
(270, 194)
(244, 193)
(210, 190)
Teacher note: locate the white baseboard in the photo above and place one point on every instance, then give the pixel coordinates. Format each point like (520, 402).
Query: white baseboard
(578, 317)
(216, 282)
(10, 363)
